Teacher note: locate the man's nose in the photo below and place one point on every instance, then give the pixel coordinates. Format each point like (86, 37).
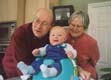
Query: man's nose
(39, 25)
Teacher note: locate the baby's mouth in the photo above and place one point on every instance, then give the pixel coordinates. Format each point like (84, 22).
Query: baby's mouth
(55, 40)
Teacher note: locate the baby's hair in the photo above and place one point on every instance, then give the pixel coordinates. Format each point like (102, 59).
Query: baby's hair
(54, 27)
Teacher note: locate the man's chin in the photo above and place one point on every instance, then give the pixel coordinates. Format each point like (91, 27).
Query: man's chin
(38, 36)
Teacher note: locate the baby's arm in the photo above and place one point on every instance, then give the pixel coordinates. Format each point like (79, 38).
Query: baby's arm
(35, 52)
(40, 51)
(70, 51)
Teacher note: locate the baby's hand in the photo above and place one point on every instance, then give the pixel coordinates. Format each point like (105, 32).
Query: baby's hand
(70, 54)
(35, 52)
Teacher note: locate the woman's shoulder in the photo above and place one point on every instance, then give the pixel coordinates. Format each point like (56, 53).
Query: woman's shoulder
(89, 38)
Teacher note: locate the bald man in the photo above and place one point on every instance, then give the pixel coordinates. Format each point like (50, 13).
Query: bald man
(26, 38)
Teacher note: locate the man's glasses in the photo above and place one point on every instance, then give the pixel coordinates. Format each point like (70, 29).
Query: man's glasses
(42, 23)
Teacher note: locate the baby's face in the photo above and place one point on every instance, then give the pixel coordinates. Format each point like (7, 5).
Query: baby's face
(57, 35)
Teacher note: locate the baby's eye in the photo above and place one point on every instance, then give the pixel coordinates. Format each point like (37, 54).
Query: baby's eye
(53, 35)
(59, 35)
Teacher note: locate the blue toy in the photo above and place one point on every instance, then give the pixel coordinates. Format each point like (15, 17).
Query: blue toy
(68, 71)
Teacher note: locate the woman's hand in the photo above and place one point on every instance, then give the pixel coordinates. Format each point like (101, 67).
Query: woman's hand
(84, 74)
(35, 52)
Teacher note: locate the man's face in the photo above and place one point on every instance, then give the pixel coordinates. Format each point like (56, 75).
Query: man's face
(42, 23)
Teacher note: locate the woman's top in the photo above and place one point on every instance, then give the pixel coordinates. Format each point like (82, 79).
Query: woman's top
(87, 52)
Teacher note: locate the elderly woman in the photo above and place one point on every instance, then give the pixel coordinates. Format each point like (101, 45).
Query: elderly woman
(86, 46)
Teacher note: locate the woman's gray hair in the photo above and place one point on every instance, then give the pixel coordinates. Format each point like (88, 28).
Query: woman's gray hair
(84, 16)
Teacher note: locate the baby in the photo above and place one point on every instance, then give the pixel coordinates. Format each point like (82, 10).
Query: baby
(56, 50)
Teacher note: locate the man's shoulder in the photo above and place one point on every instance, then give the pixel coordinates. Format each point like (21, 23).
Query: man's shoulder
(24, 26)
(22, 30)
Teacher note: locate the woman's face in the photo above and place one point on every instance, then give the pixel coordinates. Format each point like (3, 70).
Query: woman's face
(76, 27)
